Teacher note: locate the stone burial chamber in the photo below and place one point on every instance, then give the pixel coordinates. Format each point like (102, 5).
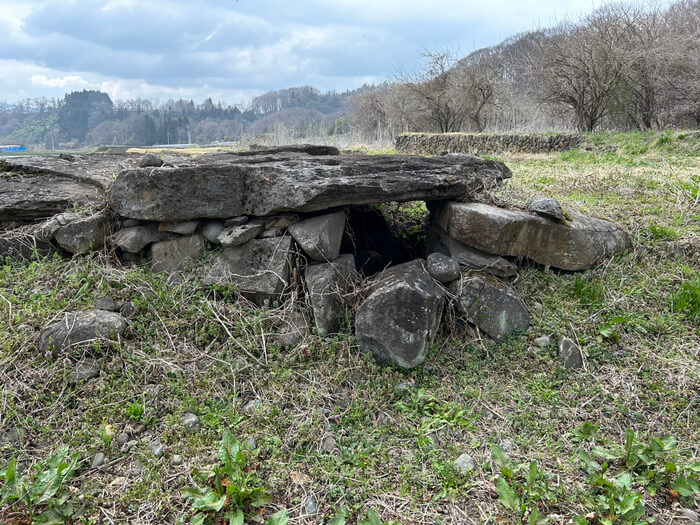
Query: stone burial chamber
(306, 222)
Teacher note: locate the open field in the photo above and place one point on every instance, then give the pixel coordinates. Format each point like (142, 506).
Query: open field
(367, 440)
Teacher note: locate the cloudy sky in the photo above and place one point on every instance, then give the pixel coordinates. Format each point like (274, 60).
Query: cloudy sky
(233, 50)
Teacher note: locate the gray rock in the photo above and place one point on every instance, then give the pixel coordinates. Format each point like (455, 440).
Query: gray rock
(13, 436)
(543, 342)
(222, 186)
(181, 228)
(236, 221)
(491, 306)
(577, 244)
(398, 321)
(27, 197)
(128, 310)
(22, 245)
(108, 304)
(403, 388)
(156, 448)
(329, 444)
(84, 370)
(259, 269)
(176, 255)
(570, 355)
(250, 444)
(212, 230)
(690, 515)
(237, 235)
(149, 161)
(464, 463)
(48, 229)
(126, 447)
(98, 460)
(326, 283)
(310, 506)
(80, 327)
(290, 329)
(136, 238)
(546, 207)
(252, 406)
(473, 259)
(320, 236)
(177, 460)
(443, 268)
(122, 438)
(190, 423)
(83, 235)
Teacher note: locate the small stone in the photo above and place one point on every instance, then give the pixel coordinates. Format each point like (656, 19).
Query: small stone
(403, 388)
(237, 235)
(543, 342)
(212, 230)
(133, 239)
(176, 460)
(122, 438)
(149, 161)
(236, 221)
(320, 236)
(328, 444)
(252, 405)
(190, 422)
(13, 436)
(128, 445)
(464, 463)
(507, 445)
(98, 460)
(570, 355)
(83, 235)
(325, 412)
(250, 444)
(442, 268)
(80, 327)
(546, 207)
(183, 228)
(108, 304)
(140, 429)
(157, 448)
(690, 515)
(310, 506)
(128, 310)
(84, 370)
(176, 255)
(537, 308)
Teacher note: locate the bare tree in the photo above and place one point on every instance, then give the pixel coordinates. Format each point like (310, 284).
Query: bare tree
(583, 65)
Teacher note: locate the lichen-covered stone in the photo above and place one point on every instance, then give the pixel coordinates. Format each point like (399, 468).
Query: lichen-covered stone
(398, 321)
(492, 306)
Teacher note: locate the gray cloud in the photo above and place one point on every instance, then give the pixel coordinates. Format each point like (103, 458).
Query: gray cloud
(164, 47)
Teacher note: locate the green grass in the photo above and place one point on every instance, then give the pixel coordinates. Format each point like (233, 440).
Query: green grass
(395, 435)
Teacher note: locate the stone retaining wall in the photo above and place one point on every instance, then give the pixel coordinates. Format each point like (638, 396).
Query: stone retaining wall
(483, 144)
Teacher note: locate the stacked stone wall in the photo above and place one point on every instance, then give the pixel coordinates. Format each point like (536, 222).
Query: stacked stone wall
(485, 144)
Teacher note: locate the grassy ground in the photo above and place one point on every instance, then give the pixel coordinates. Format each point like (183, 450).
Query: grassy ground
(367, 440)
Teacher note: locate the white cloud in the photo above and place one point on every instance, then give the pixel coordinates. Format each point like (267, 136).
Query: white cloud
(66, 82)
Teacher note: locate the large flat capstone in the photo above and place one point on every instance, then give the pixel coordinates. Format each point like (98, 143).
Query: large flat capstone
(225, 186)
(576, 244)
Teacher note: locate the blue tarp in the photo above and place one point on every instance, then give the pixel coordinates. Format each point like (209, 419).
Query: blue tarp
(12, 147)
